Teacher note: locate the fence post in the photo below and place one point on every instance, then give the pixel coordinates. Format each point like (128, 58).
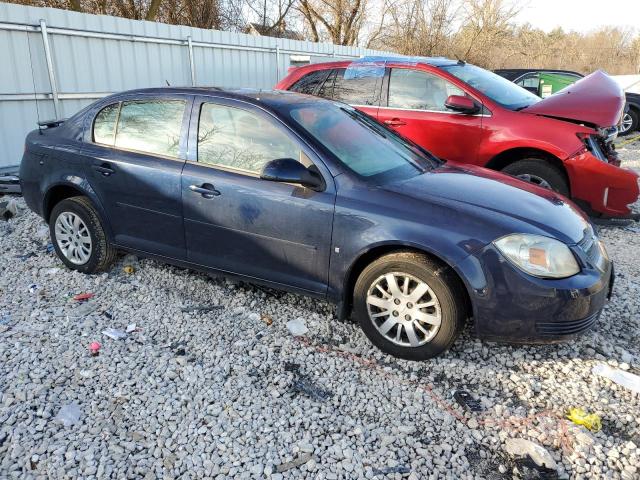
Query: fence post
(192, 67)
(277, 63)
(50, 69)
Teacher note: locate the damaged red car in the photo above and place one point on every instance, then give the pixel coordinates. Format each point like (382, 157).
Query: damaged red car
(463, 113)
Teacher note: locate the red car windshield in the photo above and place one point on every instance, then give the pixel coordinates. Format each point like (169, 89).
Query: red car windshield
(497, 88)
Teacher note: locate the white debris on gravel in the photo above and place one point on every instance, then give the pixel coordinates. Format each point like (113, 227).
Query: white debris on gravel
(208, 391)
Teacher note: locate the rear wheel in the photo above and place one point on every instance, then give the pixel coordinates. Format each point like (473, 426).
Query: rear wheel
(78, 236)
(630, 122)
(409, 306)
(541, 173)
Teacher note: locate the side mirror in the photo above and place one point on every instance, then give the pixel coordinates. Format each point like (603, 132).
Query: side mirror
(288, 170)
(462, 104)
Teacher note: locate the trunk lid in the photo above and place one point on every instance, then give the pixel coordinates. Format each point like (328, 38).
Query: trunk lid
(595, 99)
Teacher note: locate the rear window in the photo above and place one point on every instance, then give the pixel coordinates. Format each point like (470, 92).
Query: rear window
(355, 91)
(310, 82)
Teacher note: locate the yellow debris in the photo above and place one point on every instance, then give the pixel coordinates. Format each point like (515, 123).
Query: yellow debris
(129, 269)
(580, 417)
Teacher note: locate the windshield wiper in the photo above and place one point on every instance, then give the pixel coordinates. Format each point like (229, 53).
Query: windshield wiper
(360, 118)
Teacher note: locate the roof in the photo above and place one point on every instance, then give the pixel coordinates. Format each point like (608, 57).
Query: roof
(514, 73)
(251, 95)
(279, 31)
(433, 61)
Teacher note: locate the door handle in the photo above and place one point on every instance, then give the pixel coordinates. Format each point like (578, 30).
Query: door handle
(395, 122)
(105, 169)
(206, 190)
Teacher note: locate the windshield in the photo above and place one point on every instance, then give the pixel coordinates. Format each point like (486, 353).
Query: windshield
(361, 144)
(497, 88)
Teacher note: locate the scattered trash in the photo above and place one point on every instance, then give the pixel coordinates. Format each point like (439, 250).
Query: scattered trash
(389, 470)
(50, 247)
(10, 184)
(94, 348)
(580, 417)
(53, 271)
(8, 209)
(520, 447)
(626, 379)
(108, 315)
(26, 256)
(43, 232)
(291, 367)
(114, 333)
(69, 414)
(267, 319)
(130, 264)
(296, 462)
(132, 327)
(34, 287)
(201, 308)
(466, 401)
(306, 387)
(81, 297)
(5, 318)
(297, 327)
(178, 348)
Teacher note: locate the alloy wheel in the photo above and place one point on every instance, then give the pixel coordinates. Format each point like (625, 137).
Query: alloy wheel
(536, 180)
(627, 121)
(404, 309)
(73, 238)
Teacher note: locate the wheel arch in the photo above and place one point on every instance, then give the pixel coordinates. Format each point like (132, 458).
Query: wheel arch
(508, 157)
(61, 191)
(370, 255)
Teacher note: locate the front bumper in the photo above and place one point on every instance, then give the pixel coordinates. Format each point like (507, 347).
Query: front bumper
(604, 187)
(511, 306)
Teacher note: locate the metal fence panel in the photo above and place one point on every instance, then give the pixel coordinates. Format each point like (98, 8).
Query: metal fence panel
(94, 55)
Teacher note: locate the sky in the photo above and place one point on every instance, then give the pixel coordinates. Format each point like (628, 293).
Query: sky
(580, 15)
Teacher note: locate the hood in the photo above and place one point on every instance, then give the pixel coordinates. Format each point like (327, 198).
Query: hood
(595, 99)
(530, 209)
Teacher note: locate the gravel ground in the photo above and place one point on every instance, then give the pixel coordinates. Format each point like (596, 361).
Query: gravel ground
(228, 392)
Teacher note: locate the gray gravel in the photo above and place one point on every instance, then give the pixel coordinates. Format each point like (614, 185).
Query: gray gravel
(228, 392)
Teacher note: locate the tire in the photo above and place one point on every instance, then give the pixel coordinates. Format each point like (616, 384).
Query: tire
(93, 239)
(539, 172)
(634, 117)
(444, 286)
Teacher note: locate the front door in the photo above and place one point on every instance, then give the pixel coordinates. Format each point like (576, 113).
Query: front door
(134, 155)
(235, 221)
(415, 108)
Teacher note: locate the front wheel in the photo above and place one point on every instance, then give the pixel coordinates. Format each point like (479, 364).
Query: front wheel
(78, 236)
(409, 306)
(541, 173)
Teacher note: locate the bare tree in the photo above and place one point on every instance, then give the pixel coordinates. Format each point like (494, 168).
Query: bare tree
(338, 21)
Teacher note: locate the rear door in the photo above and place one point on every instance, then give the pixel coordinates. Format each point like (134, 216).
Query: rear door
(134, 151)
(414, 106)
(237, 222)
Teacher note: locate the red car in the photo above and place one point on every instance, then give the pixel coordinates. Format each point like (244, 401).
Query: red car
(464, 113)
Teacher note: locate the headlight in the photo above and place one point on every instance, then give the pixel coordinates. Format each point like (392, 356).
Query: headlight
(538, 256)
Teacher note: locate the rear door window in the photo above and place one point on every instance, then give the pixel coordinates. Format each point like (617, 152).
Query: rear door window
(355, 91)
(151, 126)
(417, 90)
(310, 82)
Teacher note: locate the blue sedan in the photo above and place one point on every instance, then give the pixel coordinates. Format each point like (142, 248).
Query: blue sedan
(312, 196)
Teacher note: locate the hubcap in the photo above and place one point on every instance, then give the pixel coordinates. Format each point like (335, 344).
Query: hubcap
(73, 238)
(627, 121)
(404, 309)
(536, 180)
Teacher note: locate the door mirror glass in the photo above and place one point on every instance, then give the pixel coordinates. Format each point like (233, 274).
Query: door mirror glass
(462, 104)
(288, 170)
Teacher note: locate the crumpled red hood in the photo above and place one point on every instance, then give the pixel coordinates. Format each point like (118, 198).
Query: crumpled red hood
(595, 99)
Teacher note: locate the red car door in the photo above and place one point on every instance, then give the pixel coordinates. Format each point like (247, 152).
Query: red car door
(414, 105)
